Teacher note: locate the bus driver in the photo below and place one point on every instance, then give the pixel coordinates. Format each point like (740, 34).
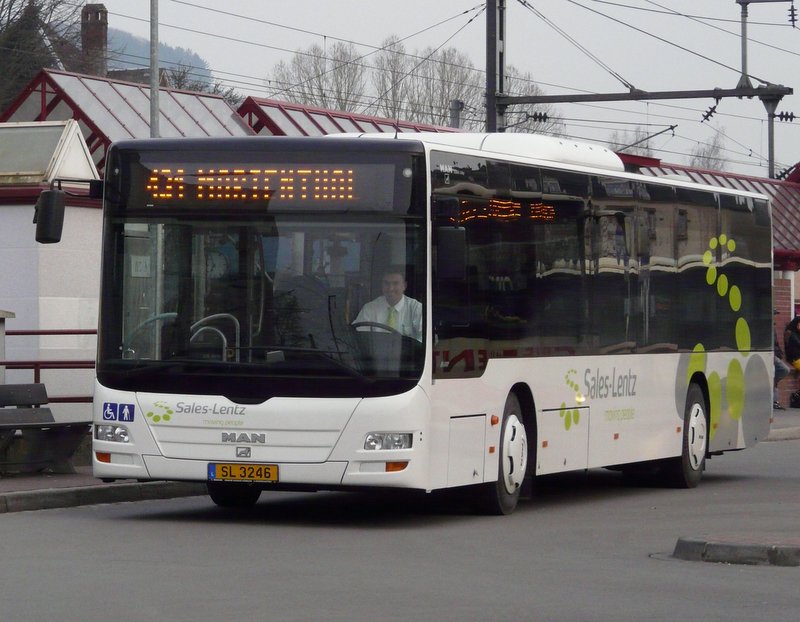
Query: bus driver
(394, 309)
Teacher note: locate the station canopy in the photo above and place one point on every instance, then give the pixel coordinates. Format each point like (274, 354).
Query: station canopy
(109, 110)
(269, 117)
(33, 155)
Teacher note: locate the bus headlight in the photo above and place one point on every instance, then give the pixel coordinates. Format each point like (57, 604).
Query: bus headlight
(387, 440)
(115, 433)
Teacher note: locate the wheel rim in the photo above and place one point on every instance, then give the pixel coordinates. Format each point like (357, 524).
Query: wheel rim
(696, 436)
(515, 453)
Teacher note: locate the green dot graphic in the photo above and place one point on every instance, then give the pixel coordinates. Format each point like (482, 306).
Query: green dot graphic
(742, 335)
(697, 361)
(727, 391)
(722, 285)
(735, 298)
(715, 395)
(735, 390)
(566, 416)
(166, 412)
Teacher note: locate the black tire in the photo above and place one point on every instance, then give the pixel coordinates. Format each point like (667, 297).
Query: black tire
(501, 497)
(233, 495)
(687, 470)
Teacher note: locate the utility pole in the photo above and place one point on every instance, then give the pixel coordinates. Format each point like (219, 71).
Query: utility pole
(769, 94)
(495, 64)
(154, 81)
(770, 103)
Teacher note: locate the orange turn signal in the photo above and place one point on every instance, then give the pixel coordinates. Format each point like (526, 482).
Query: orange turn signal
(393, 467)
(103, 456)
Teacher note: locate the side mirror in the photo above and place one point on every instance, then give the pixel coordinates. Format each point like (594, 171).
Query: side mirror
(49, 216)
(95, 188)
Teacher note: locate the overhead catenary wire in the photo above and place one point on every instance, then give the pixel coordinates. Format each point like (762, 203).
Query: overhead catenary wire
(663, 40)
(249, 81)
(341, 39)
(578, 45)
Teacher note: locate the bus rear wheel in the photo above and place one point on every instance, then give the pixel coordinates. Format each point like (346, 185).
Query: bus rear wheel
(685, 471)
(233, 495)
(501, 497)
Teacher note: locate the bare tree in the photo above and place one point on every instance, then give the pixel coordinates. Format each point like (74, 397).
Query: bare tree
(529, 118)
(635, 142)
(709, 155)
(334, 80)
(390, 79)
(57, 13)
(33, 35)
(416, 86)
(439, 78)
(185, 77)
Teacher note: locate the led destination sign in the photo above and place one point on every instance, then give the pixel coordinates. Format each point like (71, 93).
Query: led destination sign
(372, 186)
(304, 184)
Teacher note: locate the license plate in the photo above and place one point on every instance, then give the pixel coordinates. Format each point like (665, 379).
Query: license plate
(238, 472)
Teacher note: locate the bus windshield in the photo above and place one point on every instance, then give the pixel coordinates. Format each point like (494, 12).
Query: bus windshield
(253, 304)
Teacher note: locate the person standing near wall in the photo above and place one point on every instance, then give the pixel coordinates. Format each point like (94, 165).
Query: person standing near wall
(781, 371)
(791, 344)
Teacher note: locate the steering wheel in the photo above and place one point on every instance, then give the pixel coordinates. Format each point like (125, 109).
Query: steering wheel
(385, 327)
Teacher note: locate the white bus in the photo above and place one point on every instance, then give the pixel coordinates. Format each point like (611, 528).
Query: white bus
(557, 314)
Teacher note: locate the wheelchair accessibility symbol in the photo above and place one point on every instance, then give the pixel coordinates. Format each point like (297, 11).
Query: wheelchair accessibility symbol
(118, 412)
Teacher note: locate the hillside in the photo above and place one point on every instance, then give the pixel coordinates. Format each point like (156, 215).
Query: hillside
(127, 51)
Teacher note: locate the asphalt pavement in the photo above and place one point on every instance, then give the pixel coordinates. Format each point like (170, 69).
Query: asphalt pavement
(42, 491)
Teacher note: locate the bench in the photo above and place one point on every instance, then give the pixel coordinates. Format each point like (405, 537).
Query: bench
(31, 439)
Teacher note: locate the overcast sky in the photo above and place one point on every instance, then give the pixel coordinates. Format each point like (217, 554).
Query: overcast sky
(654, 45)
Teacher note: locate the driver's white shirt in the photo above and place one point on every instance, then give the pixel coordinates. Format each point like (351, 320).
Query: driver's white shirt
(409, 315)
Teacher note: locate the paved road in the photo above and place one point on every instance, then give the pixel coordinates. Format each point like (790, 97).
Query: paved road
(588, 548)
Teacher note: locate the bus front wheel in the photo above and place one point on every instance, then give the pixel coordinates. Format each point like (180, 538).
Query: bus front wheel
(502, 496)
(685, 471)
(233, 495)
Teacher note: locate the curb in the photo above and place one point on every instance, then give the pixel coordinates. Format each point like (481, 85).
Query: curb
(784, 434)
(53, 498)
(732, 552)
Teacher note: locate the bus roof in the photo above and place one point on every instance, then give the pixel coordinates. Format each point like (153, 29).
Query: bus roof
(534, 146)
(561, 152)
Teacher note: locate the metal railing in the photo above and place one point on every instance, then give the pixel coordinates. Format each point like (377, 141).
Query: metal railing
(38, 365)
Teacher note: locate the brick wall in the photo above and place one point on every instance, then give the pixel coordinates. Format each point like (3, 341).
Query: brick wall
(782, 300)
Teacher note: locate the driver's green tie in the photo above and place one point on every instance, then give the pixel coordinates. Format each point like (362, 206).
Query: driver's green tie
(391, 318)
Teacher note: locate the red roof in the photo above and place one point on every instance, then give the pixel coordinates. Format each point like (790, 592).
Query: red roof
(109, 110)
(278, 118)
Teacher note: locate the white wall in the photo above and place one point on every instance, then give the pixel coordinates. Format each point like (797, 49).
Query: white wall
(19, 281)
(52, 286)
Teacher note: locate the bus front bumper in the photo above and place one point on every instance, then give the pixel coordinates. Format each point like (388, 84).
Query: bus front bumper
(397, 473)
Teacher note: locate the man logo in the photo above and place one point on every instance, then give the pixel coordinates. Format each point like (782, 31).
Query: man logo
(243, 437)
